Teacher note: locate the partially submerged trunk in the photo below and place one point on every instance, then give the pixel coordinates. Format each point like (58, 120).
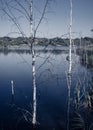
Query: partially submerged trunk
(70, 65)
(34, 87)
(33, 64)
(12, 87)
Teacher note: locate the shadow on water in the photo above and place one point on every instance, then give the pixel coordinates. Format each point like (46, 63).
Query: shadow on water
(56, 51)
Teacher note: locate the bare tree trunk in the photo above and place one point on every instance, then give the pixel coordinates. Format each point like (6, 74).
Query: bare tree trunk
(70, 38)
(12, 87)
(33, 64)
(70, 66)
(31, 18)
(34, 88)
(68, 105)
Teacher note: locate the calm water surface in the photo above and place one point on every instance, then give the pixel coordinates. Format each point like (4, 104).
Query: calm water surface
(51, 88)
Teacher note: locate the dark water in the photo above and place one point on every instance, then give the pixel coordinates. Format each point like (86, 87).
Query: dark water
(52, 94)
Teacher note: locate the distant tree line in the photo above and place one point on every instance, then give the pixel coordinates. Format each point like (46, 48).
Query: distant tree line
(6, 41)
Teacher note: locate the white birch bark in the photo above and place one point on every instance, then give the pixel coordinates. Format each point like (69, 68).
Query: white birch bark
(31, 18)
(70, 65)
(33, 64)
(34, 88)
(70, 38)
(68, 105)
(12, 87)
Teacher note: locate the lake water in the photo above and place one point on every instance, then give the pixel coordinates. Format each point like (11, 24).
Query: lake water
(52, 92)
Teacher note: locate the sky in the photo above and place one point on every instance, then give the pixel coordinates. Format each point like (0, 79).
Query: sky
(55, 22)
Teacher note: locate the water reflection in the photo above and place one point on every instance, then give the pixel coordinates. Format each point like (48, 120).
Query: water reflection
(52, 90)
(55, 50)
